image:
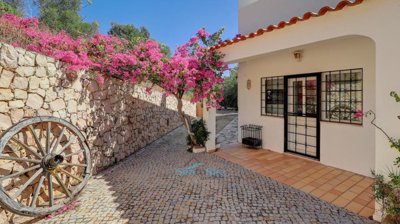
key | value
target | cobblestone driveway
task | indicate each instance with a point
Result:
(229, 134)
(147, 187)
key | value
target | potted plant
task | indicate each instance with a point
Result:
(200, 135)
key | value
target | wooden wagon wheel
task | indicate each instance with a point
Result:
(44, 163)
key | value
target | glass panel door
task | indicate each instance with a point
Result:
(302, 115)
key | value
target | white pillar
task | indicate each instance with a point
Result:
(209, 116)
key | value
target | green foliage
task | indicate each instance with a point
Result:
(165, 50)
(134, 35)
(395, 96)
(395, 143)
(7, 7)
(129, 32)
(64, 15)
(387, 192)
(200, 132)
(231, 89)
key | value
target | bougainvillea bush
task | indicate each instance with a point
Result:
(192, 70)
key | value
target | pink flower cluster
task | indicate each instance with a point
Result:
(65, 208)
(358, 113)
(193, 69)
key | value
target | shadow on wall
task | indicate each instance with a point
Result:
(122, 119)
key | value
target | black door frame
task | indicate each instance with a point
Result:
(318, 117)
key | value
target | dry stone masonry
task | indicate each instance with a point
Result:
(117, 118)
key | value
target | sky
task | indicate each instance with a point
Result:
(172, 22)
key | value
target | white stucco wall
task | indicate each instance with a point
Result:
(377, 19)
(374, 19)
(255, 14)
(340, 143)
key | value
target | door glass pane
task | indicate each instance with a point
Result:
(302, 100)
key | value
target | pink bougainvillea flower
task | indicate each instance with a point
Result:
(358, 114)
(193, 68)
(100, 80)
(202, 33)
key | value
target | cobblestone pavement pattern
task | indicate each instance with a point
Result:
(229, 134)
(145, 188)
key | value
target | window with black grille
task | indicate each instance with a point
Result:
(272, 96)
(342, 95)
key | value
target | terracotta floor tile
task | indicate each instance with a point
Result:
(366, 212)
(334, 182)
(315, 184)
(290, 181)
(349, 195)
(371, 204)
(354, 206)
(308, 188)
(328, 197)
(342, 177)
(299, 184)
(356, 189)
(318, 192)
(341, 202)
(340, 187)
(360, 201)
(335, 192)
(366, 182)
(356, 178)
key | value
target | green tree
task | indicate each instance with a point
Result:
(129, 32)
(64, 15)
(230, 89)
(134, 35)
(11, 6)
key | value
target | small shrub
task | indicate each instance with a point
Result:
(200, 132)
(387, 193)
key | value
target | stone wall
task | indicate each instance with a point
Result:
(116, 118)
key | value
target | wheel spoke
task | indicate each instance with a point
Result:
(70, 174)
(26, 147)
(19, 173)
(37, 191)
(39, 145)
(48, 137)
(27, 183)
(50, 186)
(19, 159)
(72, 154)
(73, 164)
(58, 139)
(70, 141)
(62, 185)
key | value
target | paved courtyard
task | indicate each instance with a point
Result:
(166, 184)
(229, 134)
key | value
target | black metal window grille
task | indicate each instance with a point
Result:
(342, 96)
(272, 96)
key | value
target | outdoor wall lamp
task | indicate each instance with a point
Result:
(248, 84)
(298, 55)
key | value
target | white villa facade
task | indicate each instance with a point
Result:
(304, 79)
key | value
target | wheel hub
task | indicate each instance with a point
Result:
(51, 161)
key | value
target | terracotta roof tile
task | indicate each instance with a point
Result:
(324, 10)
